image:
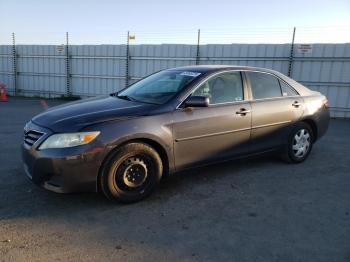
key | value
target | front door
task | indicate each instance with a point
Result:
(220, 131)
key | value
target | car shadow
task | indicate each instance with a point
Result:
(33, 201)
(208, 174)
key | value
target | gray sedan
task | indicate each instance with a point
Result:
(124, 143)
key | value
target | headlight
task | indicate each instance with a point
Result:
(69, 140)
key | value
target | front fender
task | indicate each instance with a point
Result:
(156, 128)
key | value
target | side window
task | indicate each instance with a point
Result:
(287, 90)
(264, 85)
(226, 87)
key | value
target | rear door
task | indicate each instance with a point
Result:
(275, 107)
(222, 130)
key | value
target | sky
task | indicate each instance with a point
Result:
(176, 21)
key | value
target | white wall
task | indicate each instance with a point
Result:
(100, 69)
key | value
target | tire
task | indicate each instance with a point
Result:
(296, 151)
(131, 173)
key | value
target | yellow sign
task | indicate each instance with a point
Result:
(132, 37)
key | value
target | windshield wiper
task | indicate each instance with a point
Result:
(130, 98)
(125, 97)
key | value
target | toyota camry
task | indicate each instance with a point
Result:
(122, 144)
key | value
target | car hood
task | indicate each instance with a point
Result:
(76, 115)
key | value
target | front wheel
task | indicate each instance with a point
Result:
(131, 173)
(299, 144)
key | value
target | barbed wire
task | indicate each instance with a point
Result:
(223, 35)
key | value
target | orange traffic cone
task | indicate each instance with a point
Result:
(3, 95)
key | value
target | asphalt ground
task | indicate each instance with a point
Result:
(257, 209)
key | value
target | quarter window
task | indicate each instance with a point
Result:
(264, 85)
(226, 87)
(287, 90)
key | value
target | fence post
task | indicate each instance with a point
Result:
(14, 63)
(127, 60)
(198, 51)
(68, 76)
(291, 56)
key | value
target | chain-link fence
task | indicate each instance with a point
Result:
(85, 64)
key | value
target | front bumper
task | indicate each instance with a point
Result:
(63, 170)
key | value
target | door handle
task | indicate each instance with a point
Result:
(243, 111)
(296, 104)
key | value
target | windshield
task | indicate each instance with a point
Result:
(159, 87)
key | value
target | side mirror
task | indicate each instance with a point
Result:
(197, 101)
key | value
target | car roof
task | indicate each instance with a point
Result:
(217, 68)
(208, 69)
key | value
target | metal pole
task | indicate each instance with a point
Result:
(291, 56)
(127, 61)
(198, 42)
(14, 63)
(68, 75)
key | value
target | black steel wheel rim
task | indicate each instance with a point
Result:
(133, 174)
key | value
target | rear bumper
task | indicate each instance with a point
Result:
(322, 120)
(63, 170)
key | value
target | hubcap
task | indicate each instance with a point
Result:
(135, 172)
(301, 143)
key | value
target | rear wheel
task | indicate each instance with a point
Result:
(299, 143)
(131, 173)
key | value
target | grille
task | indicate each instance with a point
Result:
(32, 136)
